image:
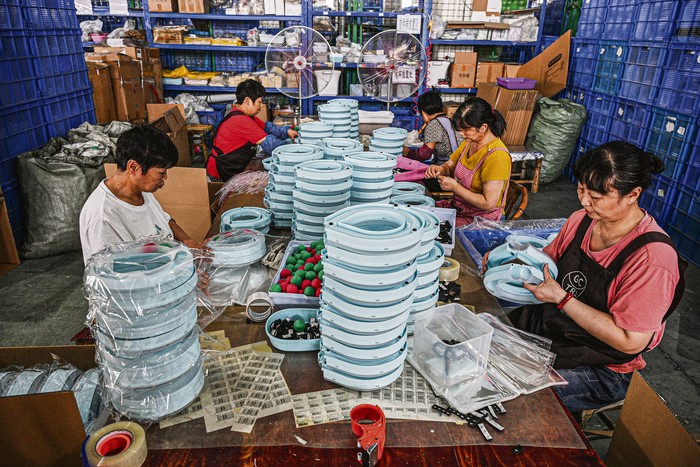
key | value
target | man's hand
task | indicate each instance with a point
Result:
(292, 133)
(433, 171)
(549, 291)
(189, 243)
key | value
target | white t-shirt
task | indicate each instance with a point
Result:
(106, 220)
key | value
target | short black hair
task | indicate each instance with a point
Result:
(430, 102)
(148, 146)
(474, 112)
(617, 165)
(249, 88)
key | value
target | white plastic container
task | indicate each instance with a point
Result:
(291, 300)
(327, 81)
(445, 214)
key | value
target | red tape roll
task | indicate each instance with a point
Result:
(369, 424)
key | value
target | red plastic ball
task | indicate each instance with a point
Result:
(318, 292)
(291, 288)
(305, 283)
(313, 251)
(316, 283)
(283, 286)
(284, 273)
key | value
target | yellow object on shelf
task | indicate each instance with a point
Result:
(235, 41)
(197, 40)
(180, 72)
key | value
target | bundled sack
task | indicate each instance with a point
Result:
(56, 180)
(554, 130)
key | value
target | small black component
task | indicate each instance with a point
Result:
(517, 449)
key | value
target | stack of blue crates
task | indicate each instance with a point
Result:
(636, 67)
(44, 87)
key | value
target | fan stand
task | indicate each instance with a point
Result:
(300, 63)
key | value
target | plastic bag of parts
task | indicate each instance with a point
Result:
(248, 182)
(59, 376)
(147, 299)
(90, 27)
(451, 349)
(437, 27)
(524, 30)
(554, 130)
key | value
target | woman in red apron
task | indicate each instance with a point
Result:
(478, 171)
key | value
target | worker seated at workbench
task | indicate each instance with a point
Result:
(122, 208)
(439, 137)
(240, 132)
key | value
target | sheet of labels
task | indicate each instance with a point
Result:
(315, 408)
(279, 399)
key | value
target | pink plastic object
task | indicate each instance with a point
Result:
(98, 37)
(516, 83)
(414, 170)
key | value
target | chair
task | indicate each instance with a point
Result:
(516, 201)
(601, 412)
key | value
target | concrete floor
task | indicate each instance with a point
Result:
(41, 303)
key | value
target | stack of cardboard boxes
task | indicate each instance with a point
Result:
(124, 80)
(183, 6)
(468, 72)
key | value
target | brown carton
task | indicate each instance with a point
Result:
(163, 5)
(510, 70)
(42, 429)
(550, 68)
(193, 6)
(9, 259)
(463, 73)
(516, 106)
(487, 72)
(171, 119)
(127, 90)
(449, 108)
(102, 94)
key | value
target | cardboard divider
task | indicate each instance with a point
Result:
(9, 258)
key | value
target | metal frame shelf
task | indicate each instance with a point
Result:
(223, 48)
(104, 11)
(483, 43)
(356, 14)
(187, 88)
(206, 16)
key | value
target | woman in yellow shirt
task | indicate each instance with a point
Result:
(478, 171)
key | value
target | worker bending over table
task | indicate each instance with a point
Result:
(479, 170)
(122, 208)
(240, 133)
(439, 137)
(619, 278)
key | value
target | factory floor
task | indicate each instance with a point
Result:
(42, 303)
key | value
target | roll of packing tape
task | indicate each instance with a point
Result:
(121, 444)
(258, 307)
(449, 270)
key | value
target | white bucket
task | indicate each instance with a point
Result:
(332, 77)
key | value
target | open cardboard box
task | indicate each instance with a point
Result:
(550, 68)
(9, 258)
(42, 429)
(171, 119)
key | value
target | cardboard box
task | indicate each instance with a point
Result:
(165, 36)
(127, 90)
(162, 5)
(42, 429)
(463, 73)
(450, 107)
(193, 6)
(9, 258)
(487, 72)
(171, 119)
(510, 70)
(185, 197)
(264, 114)
(516, 106)
(102, 95)
(137, 53)
(648, 434)
(484, 10)
(550, 68)
(292, 7)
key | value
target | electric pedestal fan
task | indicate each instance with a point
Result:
(393, 66)
(294, 55)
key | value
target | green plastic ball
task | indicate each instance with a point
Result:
(275, 288)
(309, 267)
(320, 275)
(318, 267)
(296, 280)
(309, 292)
(299, 325)
(310, 275)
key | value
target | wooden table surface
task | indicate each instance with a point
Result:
(537, 420)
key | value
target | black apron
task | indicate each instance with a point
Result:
(589, 282)
(233, 162)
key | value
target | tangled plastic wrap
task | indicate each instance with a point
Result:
(248, 182)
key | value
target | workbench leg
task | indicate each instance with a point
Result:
(536, 175)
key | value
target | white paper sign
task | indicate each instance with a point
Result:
(118, 7)
(410, 24)
(83, 7)
(405, 74)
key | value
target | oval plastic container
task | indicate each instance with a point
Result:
(301, 345)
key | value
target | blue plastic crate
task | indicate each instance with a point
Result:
(655, 20)
(11, 17)
(18, 80)
(630, 122)
(592, 20)
(581, 148)
(680, 83)
(643, 70)
(620, 19)
(576, 94)
(211, 117)
(659, 199)
(610, 66)
(688, 22)
(232, 28)
(671, 136)
(684, 225)
(68, 111)
(237, 62)
(50, 14)
(13, 202)
(583, 62)
(689, 173)
(22, 128)
(600, 108)
(556, 12)
(193, 60)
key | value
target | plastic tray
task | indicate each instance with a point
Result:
(516, 83)
(301, 345)
(291, 300)
(445, 214)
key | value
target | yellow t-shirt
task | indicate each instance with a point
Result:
(496, 167)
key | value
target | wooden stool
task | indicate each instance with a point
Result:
(586, 416)
(198, 135)
(521, 156)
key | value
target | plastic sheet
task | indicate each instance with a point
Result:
(245, 182)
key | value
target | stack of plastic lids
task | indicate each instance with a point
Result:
(373, 177)
(237, 248)
(51, 378)
(313, 132)
(354, 117)
(278, 194)
(338, 148)
(370, 275)
(413, 200)
(144, 303)
(246, 218)
(430, 259)
(389, 140)
(407, 188)
(322, 188)
(339, 116)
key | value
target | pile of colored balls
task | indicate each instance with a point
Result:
(303, 271)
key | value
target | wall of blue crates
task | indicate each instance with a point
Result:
(44, 86)
(635, 66)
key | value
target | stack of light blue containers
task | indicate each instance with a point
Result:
(388, 140)
(410, 199)
(314, 132)
(354, 116)
(373, 177)
(340, 116)
(338, 148)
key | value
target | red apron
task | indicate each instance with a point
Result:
(465, 211)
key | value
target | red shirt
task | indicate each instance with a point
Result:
(642, 292)
(233, 134)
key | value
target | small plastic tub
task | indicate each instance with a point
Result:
(288, 345)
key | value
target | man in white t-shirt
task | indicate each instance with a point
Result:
(122, 208)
